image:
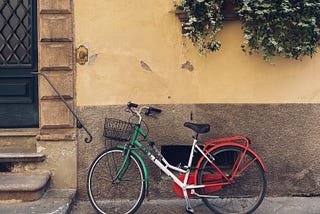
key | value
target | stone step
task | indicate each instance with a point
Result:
(18, 140)
(21, 157)
(20, 187)
(54, 201)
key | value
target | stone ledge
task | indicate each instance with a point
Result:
(23, 186)
(56, 137)
(24, 132)
(23, 181)
(55, 97)
(55, 40)
(61, 68)
(57, 11)
(21, 157)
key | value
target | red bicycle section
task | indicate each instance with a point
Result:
(214, 182)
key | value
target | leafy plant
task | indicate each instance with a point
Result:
(204, 21)
(290, 28)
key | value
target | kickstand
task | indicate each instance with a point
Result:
(188, 205)
(189, 210)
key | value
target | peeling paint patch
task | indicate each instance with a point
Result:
(145, 66)
(188, 66)
(92, 59)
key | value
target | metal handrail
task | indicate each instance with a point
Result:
(79, 122)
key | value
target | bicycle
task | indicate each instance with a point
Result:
(122, 178)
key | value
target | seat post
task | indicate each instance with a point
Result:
(196, 136)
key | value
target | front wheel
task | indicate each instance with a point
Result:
(110, 196)
(245, 194)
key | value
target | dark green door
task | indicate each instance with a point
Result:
(18, 57)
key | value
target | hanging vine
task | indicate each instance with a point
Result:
(204, 21)
(289, 28)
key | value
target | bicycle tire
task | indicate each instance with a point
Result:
(108, 197)
(244, 195)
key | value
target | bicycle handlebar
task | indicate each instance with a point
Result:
(132, 105)
(148, 110)
(155, 110)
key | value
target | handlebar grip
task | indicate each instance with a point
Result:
(156, 110)
(131, 104)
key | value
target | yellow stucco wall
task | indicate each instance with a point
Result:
(120, 34)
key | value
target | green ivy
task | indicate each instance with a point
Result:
(204, 22)
(289, 28)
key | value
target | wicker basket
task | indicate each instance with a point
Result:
(119, 130)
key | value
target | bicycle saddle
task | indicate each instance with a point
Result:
(199, 128)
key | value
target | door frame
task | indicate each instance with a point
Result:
(56, 60)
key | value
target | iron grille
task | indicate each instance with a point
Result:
(16, 33)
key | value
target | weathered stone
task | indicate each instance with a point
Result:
(55, 27)
(61, 161)
(56, 56)
(46, 5)
(64, 87)
(17, 144)
(21, 157)
(54, 114)
(23, 186)
(53, 201)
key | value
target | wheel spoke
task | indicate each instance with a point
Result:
(247, 190)
(108, 196)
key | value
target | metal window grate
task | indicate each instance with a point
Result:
(16, 33)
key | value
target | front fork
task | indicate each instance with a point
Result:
(124, 166)
(126, 163)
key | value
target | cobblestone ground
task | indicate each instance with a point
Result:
(176, 206)
(270, 205)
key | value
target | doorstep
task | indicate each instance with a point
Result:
(53, 201)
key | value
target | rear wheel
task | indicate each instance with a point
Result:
(108, 196)
(247, 191)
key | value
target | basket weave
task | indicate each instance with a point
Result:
(119, 130)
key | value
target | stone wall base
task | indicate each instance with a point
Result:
(286, 136)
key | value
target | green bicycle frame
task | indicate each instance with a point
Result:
(129, 150)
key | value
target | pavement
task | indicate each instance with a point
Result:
(63, 202)
(270, 205)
